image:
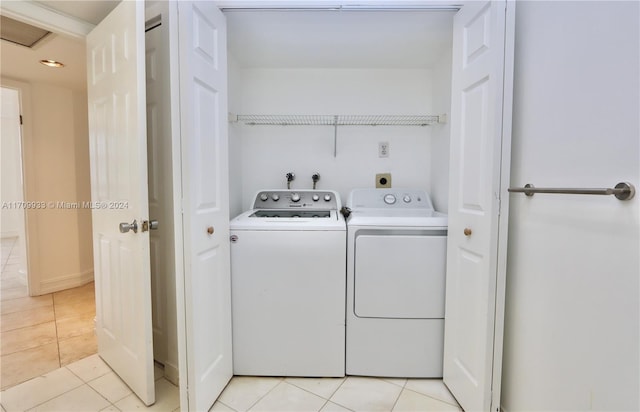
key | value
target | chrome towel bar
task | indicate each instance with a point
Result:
(622, 191)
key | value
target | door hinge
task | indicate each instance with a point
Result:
(20, 119)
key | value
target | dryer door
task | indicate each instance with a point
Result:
(400, 276)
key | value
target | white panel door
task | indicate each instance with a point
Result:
(480, 149)
(118, 155)
(205, 190)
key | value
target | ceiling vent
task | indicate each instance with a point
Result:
(21, 33)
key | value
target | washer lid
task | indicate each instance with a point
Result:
(270, 220)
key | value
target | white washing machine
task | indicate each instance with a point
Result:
(395, 284)
(288, 281)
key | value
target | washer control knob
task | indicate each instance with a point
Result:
(295, 197)
(407, 199)
(264, 197)
(327, 197)
(275, 197)
(389, 199)
(315, 198)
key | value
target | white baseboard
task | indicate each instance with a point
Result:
(171, 373)
(65, 282)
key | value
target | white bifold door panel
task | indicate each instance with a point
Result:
(480, 150)
(399, 276)
(118, 156)
(205, 203)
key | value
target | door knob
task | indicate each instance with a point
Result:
(210, 230)
(150, 225)
(467, 232)
(125, 227)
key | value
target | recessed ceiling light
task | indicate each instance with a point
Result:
(51, 63)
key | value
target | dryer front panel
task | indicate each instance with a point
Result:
(400, 276)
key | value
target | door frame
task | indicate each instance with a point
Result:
(503, 219)
(27, 248)
(171, 10)
(40, 16)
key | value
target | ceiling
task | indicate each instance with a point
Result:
(339, 39)
(22, 63)
(270, 39)
(92, 11)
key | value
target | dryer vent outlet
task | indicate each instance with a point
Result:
(383, 180)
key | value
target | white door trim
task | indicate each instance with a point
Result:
(29, 235)
(503, 219)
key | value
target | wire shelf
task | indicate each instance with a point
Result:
(337, 120)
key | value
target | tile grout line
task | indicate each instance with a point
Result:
(339, 386)
(58, 395)
(4, 263)
(397, 399)
(55, 321)
(433, 397)
(101, 395)
(334, 392)
(84, 383)
(308, 391)
(28, 326)
(217, 400)
(51, 301)
(326, 401)
(268, 392)
(28, 348)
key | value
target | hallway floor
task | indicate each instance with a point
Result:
(40, 334)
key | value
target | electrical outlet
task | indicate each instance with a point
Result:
(383, 180)
(383, 149)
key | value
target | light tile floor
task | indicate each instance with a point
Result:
(90, 385)
(43, 338)
(353, 393)
(86, 385)
(40, 334)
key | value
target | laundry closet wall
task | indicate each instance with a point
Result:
(268, 152)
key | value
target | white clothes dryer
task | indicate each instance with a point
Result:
(396, 257)
(288, 285)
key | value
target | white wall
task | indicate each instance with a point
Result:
(56, 162)
(235, 139)
(573, 314)
(441, 134)
(12, 223)
(269, 152)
